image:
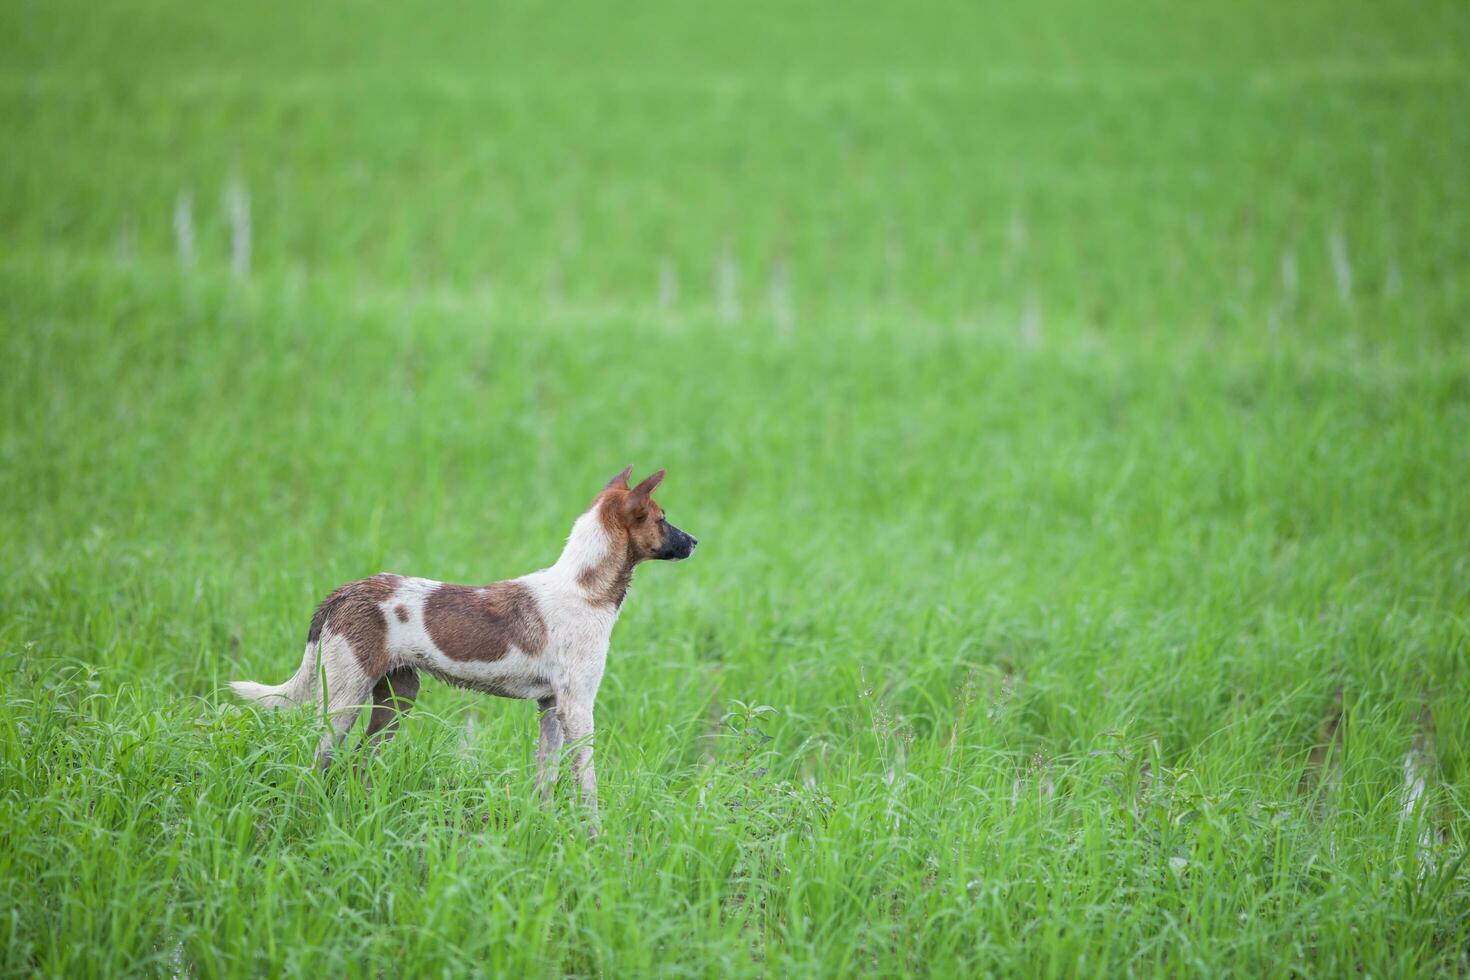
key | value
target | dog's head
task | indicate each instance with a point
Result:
(634, 513)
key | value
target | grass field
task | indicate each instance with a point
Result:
(1071, 401)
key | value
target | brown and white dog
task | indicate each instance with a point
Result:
(543, 636)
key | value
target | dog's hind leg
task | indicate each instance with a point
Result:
(393, 696)
(348, 689)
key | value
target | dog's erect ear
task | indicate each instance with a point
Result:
(649, 484)
(620, 482)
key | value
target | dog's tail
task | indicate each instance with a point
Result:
(302, 686)
(296, 691)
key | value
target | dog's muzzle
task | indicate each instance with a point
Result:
(677, 545)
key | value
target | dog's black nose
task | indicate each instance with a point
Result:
(693, 541)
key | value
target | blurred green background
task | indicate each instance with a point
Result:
(1070, 400)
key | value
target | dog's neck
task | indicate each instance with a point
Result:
(595, 562)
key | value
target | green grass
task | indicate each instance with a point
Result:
(1071, 401)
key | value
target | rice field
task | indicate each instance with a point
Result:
(1071, 402)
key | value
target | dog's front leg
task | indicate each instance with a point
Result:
(576, 722)
(548, 750)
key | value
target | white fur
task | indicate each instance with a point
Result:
(578, 632)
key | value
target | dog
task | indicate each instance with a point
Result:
(542, 636)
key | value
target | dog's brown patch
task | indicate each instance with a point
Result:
(607, 582)
(483, 623)
(401, 612)
(354, 612)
